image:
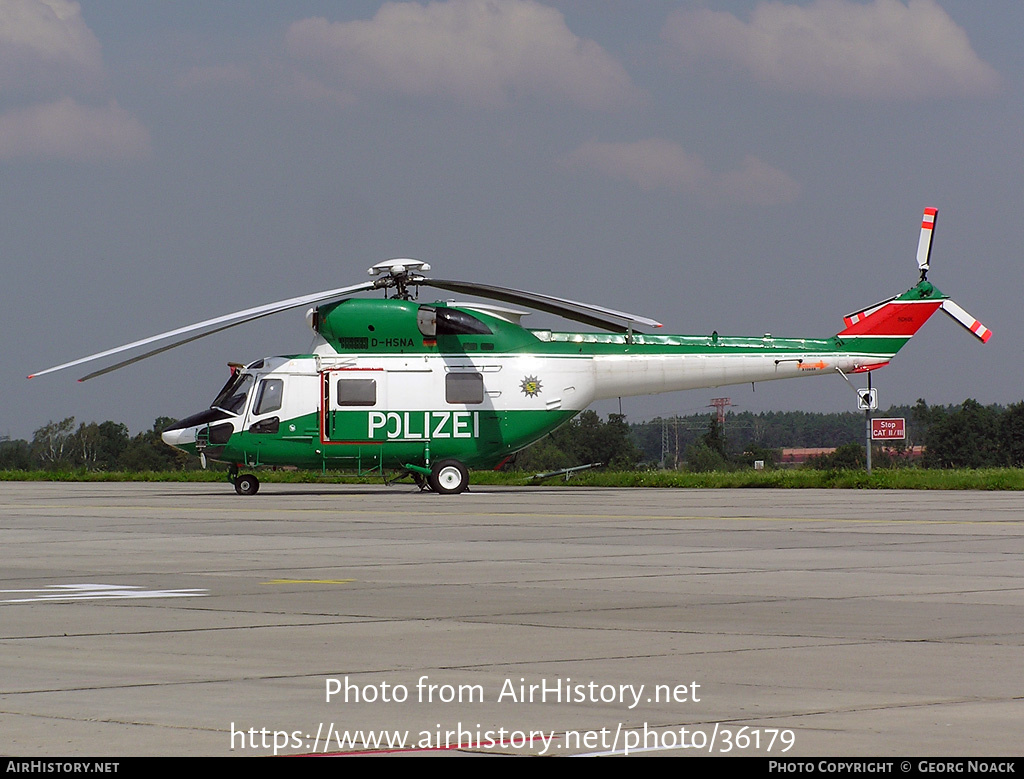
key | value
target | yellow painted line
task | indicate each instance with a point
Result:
(309, 581)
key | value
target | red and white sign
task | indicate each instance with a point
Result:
(888, 429)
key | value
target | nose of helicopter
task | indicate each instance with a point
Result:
(185, 431)
(177, 437)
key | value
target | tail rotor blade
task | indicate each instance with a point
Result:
(972, 325)
(924, 246)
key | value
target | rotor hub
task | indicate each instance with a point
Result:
(398, 273)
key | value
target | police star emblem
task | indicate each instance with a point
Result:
(530, 386)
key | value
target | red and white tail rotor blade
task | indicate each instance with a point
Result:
(972, 325)
(924, 246)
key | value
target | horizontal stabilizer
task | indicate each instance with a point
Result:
(870, 367)
(972, 325)
(851, 319)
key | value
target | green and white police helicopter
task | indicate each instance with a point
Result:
(432, 389)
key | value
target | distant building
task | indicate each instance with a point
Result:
(798, 456)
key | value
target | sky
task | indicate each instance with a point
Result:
(739, 166)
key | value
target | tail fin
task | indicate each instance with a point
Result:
(897, 317)
(881, 330)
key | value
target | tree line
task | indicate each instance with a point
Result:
(106, 446)
(969, 435)
(966, 436)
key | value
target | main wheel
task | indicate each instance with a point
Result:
(448, 477)
(247, 485)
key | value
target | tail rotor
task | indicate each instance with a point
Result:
(950, 308)
(902, 315)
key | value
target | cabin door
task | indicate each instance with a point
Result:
(352, 402)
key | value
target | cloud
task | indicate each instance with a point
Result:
(477, 51)
(232, 77)
(69, 131)
(47, 55)
(45, 45)
(882, 49)
(655, 163)
(284, 82)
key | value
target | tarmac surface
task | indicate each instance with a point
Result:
(182, 619)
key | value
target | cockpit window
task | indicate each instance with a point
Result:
(232, 398)
(269, 397)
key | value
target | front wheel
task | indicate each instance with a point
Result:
(448, 477)
(247, 485)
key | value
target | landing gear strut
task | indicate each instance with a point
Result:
(244, 485)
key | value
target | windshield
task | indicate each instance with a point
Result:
(232, 398)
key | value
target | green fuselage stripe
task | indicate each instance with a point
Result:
(480, 439)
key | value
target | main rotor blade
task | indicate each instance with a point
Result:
(220, 323)
(972, 325)
(924, 245)
(596, 316)
(154, 352)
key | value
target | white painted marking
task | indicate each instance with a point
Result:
(55, 592)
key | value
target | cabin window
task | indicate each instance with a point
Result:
(464, 388)
(269, 396)
(357, 392)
